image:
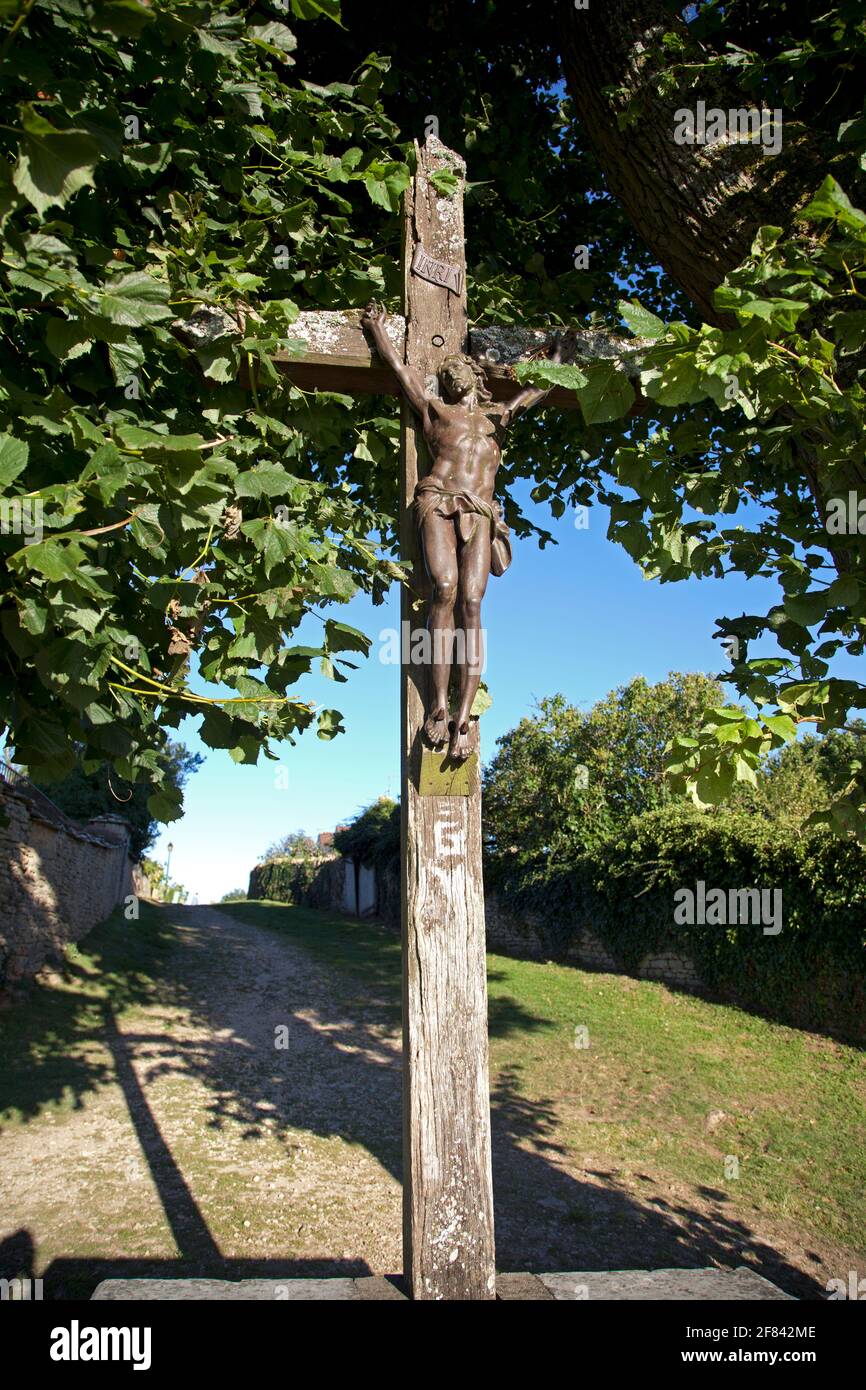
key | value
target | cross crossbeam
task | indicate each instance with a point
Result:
(337, 356)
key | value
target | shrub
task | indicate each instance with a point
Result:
(373, 838)
(283, 880)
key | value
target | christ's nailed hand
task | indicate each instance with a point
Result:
(374, 316)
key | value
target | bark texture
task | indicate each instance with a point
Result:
(696, 206)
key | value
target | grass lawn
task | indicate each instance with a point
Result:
(667, 1080)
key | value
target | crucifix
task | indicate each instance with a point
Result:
(458, 396)
(463, 536)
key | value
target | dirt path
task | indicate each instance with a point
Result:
(213, 1143)
(248, 1122)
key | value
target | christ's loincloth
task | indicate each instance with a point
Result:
(469, 509)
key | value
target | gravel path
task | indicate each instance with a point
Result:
(215, 1143)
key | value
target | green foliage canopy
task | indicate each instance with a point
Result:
(812, 974)
(373, 837)
(83, 795)
(565, 779)
(297, 844)
(156, 158)
(744, 445)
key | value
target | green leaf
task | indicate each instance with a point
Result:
(166, 804)
(153, 441)
(543, 373)
(482, 702)
(52, 164)
(743, 770)
(781, 724)
(55, 559)
(13, 458)
(641, 322)
(713, 784)
(264, 480)
(831, 201)
(340, 637)
(608, 394)
(219, 363)
(852, 132)
(386, 183)
(126, 18)
(274, 34)
(135, 299)
(311, 9)
(330, 723)
(844, 591)
(676, 382)
(68, 338)
(148, 160)
(125, 359)
(246, 750)
(806, 609)
(275, 542)
(445, 182)
(728, 712)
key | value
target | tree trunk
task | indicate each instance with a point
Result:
(697, 207)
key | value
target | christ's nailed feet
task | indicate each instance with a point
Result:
(459, 748)
(436, 728)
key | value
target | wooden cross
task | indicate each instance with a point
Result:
(448, 1244)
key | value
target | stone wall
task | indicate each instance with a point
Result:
(336, 886)
(525, 936)
(308, 881)
(57, 880)
(331, 883)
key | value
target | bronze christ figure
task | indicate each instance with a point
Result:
(463, 535)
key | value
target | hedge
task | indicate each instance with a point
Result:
(286, 881)
(812, 974)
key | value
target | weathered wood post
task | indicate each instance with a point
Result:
(447, 1185)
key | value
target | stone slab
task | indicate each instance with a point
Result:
(261, 1290)
(375, 1288)
(626, 1285)
(523, 1288)
(668, 1285)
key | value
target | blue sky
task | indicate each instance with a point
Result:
(577, 617)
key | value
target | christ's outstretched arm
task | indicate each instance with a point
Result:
(531, 395)
(373, 319)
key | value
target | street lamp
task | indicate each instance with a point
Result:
(169, 847)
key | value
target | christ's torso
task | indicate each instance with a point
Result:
(464, 447)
